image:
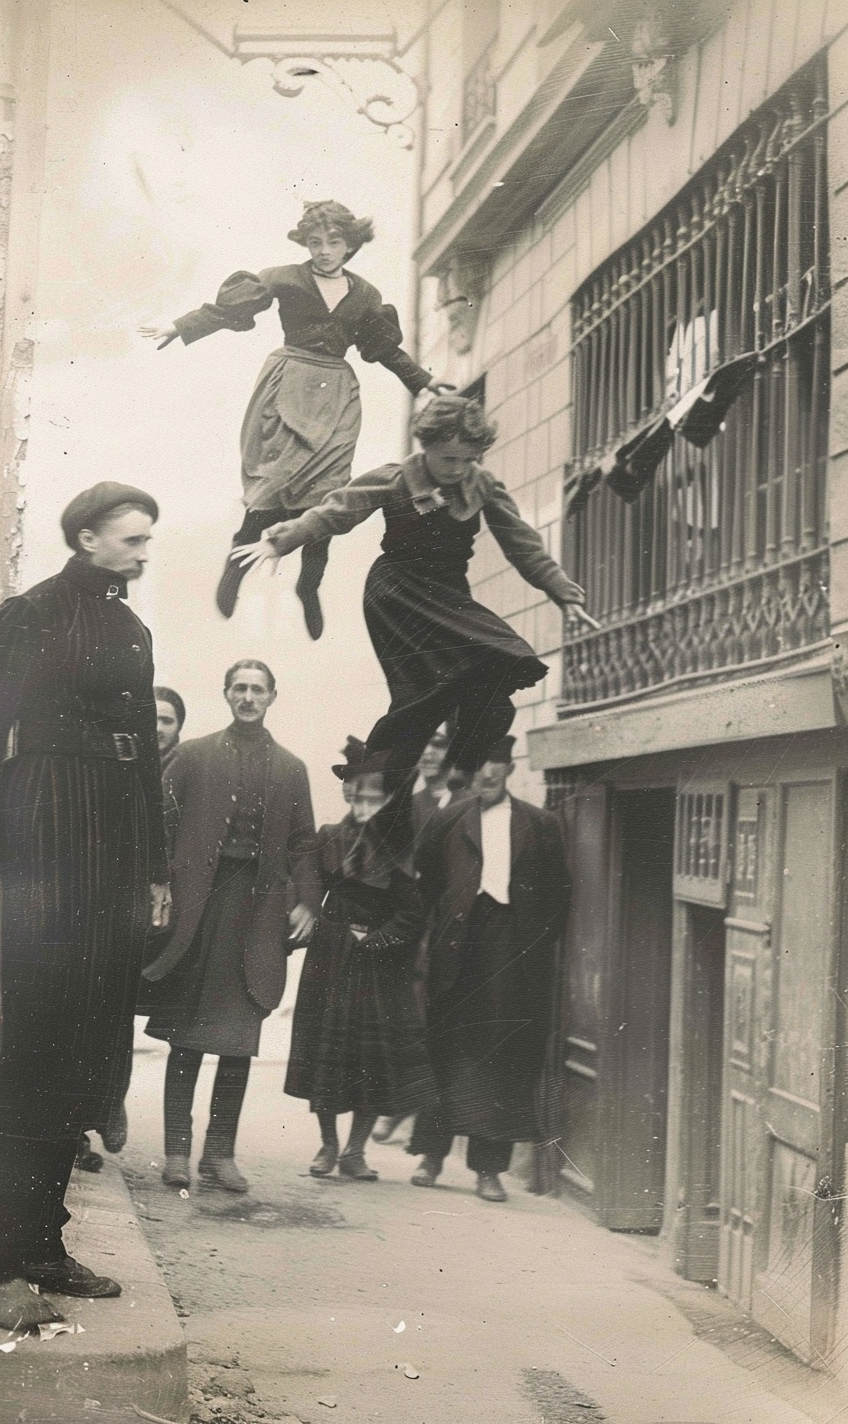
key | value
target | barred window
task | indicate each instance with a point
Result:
(718, 558)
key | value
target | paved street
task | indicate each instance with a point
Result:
(517, 1314)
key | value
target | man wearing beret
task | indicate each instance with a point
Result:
(83, 874)
(493, 875)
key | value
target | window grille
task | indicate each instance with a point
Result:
(721, 560)
(700, 853)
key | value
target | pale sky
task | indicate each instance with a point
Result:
(169, 166)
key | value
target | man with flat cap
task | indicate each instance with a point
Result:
(83, 873)
(493, 876)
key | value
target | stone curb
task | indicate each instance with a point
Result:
(131, 1351)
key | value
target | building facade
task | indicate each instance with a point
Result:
(634, 247)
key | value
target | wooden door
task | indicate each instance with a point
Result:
(778, 1232)
(791, 1289)
(747, 986)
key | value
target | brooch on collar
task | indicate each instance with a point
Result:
(427, 503)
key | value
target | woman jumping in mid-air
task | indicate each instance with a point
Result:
(444, 655)
(301, 426)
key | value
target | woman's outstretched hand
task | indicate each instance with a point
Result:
(164, 335)
(575, 611)
(572, 606)
(263, 551)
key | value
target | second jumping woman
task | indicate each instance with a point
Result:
(300, 430)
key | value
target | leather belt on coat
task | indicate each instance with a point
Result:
(82, 739)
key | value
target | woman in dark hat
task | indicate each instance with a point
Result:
(443, 654)
(357, 1041)
(83, 873)
(301, 426)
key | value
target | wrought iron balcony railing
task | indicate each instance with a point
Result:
(721, 562)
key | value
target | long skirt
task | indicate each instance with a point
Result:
(484, 1041)
(299, 432)
(357, 1040)
(75, 905)
(204, 1002)
(427, 629)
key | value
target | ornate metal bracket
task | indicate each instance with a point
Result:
(364, 70)
(654, 66)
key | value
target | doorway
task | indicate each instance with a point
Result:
(636, 1040)
(698, 1217)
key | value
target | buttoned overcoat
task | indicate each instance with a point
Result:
(200, 788)
(81, 839)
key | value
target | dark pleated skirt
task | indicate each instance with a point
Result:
(357, 1041)
(427, 629)
(299, 432)
(75, 906)
(485, 1042)
(204, 1002)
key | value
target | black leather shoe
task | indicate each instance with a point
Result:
(70, 1277)
(312, 615)
(226, 595)
(22, 1310)
(175, 1172)
(88, 1161)
(222, 1172)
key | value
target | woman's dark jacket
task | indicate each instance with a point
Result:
(361, 319)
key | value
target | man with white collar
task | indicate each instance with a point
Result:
(493, 874)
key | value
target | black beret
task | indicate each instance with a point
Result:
(92, 505)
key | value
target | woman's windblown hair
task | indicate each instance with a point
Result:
(454, 417)
(329, 215)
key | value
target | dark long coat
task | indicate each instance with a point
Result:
(488, 1017)
(200, 785)
(357, 1040)
(81, 839)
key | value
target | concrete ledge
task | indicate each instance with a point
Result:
(132, 1350)
(798, 698)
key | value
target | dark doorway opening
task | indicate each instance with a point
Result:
(698, 1218)
(635, 1074)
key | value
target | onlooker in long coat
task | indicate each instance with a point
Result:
(170, 716)
(357, 1039)
(493, 874)
(242, 840)
(434, 795)
(83, 871)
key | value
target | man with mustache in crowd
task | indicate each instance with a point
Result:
(243, 851)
